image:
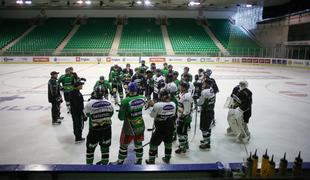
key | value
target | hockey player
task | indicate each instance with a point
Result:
(149, 85)
(159, 83)
(184, 117)
(240, 112)
(186, 78)
(153, 67)
(54, 98)
(104, 86)
(186, 71)
(127, 74)
(99, 111)
(165, 70)
(207, 102)
(140, 80)
(133, 127)
(171, 87)
(128, 70)
(214, 86)
(175, 78)
(164, 120)
(201, 74)
(115, 78)
(77, 107)
(67, 81)
(143, 67)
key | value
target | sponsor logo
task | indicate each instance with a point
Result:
(243, 60)
(6, 59)
(255, 61)
(124, 59)
(78, 59)
(262, 61)
(116, 59)
(249, 60)
(307, 63)
(137, 102)
(298, 62)
(40, 59)
(284, 61)
(235, 60)
(279, 61)
(289, 62)
(168, 107)
(157, 59)
(274, 61)
(84, 59)
(267, 61)
(202, 60)
(176, 59)
(101, 104)
(108, 59)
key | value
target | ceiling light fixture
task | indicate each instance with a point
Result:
(248, 5)
(28, 2)
(139, 2)
(79, 2)
(193, 3)
(19, 2)
(88, 2)
(147, 2)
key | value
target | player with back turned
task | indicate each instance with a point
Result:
(133, 127)
(163, 113)
(54, 98)
(99, 111)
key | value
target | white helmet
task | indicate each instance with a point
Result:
(243, 84)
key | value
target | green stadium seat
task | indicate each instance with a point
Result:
(233, 38)
(96, 35)
(187, 37)
(12, 29)
(141, 36)
(44, 38)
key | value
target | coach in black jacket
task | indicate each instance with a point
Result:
(77, 107)
(54, 98)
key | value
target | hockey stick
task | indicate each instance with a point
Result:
(150, 129)
(246, 150)
(195, 128)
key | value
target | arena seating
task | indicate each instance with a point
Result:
(95, 36)
(232, 37)
(188, 37)
(142, 36)
(45, 38)
(11, 29)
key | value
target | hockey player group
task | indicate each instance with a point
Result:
(171, 102)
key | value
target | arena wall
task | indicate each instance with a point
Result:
(31, 13)
(168, 59)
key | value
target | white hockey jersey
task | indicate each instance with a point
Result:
(156, 82)
(207, 98)
(163, 110)
(185, 104)
(99, 112)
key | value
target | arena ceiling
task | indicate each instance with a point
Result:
(134, 4)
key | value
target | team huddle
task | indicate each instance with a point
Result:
(171, 102)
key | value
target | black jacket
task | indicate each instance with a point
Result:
(54, 91)
(76, 103)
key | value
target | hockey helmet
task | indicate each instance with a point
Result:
(208, 72)
(101, 78)
(243, 84)
(184, 85)
(133, 87)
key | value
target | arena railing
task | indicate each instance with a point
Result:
(129, 171)
(287, 52)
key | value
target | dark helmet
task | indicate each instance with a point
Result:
(208, 72)
(185, 85)
(101, 78)
(98, 93)
(176, 73)
(164, 92)
(133, 87)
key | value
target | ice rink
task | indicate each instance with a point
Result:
(280, 117)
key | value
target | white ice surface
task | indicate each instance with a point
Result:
(280, 122)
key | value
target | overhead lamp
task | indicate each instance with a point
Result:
(139, 2)
(193, 3)
(19, 2)
(248, 5)
(147, 2)
(79, 2)
(88, 2)
(28, 2)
